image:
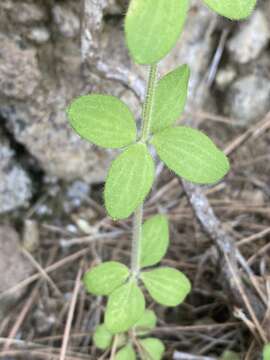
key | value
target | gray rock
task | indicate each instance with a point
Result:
(23, 12)
(93, 12)
(225, 77)
(15, 184)
(19, 72)
(46, 87)
(14, 267)
(41, 123)
(68, 23)
(39, 34)
(248, 99)
(114, 7)
(78, 190)
(251, 38)
(44, 129)
(76, 194)
(6, 5)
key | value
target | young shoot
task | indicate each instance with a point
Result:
(152, 28)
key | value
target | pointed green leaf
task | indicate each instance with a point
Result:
(125, 307)
(167, 286)
(155, 240)
(103, 120)
(191, 154)
(152, 349)
(232, 9)
(126, 353)
(170, 98)
(104, 278)
(152, 28)
(129, 180)
(102, 337)
(266, 352)
(146, 323)
(230, 355)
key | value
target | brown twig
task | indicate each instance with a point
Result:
(253, 132)
(70, 315)
(246, 300)
(253, 237)
(193, 328)
(179, 355)
(48, 269)
(114, 347)
(41, 271)
(27, 306)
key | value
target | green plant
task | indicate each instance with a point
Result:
(152, 28)
(266, 352)
(104, 339)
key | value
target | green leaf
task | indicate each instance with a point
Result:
(126, 353)
(170, 98)
(167, 286)
(125, 307)
(191, 154)
(103, 120)
(153, 349)
(104, 278)
(266, 352)
(155, 240)
(129, 180)
(230, 355)
(102, 337)
(146, 323)
(232, 9)
(152, 28)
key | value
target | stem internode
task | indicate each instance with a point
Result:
(146, 125)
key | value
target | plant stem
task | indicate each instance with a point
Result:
(149, 103)
(138, 215)
(114, 347)
(136, 240)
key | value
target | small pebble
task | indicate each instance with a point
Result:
(251, 38)
(248, 99)
(30, 235)
(67, 22)
(39, 34)
(225, 77)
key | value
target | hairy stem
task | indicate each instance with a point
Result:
(136, 240)
(138, 215)
(149, 103)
